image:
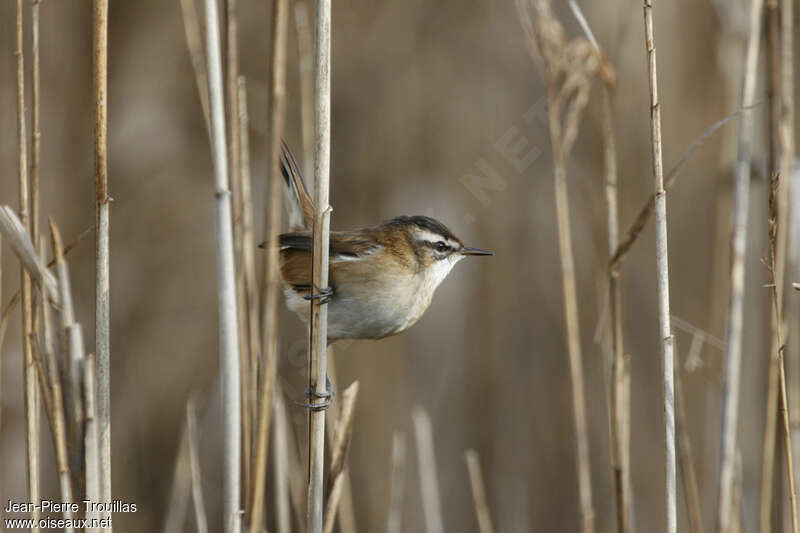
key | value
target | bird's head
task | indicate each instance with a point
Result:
(436, 248)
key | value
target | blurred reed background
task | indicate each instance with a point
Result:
(437, 109)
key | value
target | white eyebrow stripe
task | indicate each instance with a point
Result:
(431, 237)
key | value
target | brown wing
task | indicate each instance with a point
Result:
(296, 253)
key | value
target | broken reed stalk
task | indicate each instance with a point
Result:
(662, 266)
(394, 518)
(102, 311)
(29, 370)
(321, 237)
(194, 467)
(194, 42)
(428, 479)
(478, 492)
(235, 175)
(339, 453)
(271, 287)
(305, 49)
(226, 280)
(774, 217)
(281, 465)
(733, 352)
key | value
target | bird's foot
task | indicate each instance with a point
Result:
(312, 395)
(324, 294)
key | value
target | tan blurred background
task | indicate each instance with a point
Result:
(424, 94)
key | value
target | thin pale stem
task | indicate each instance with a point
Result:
(478, 492)
(428, 478)
(29, 369)
(662, 266)
(271, 288)
(102, 316)
(321, 237)
(733, 355)
(570, 296)
(226, 280)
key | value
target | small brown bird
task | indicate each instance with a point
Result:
(382, 278)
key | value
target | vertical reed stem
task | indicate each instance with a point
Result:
(774, 217)
(29, 370)
(662, 266)
(619, 367)
(37, 135)
(571, 317)
(319, 312)
(102, 320)
(741, 193)
(226, 279)
(269, 331)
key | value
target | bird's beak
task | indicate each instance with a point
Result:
(467, 250)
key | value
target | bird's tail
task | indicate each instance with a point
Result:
(299, 204)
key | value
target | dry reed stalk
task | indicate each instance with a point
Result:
(662, 266)
(774, 218)
(29, 370)
(321, 236)
(194, 466)
(102, 312)
(620, 381)
(478, 492)
(271, 287)
(280, 463)
(776, 165)
(428, 479)
(226, 279)
(394, 518)
(686, 457)
(339, 453)
(305, 50)
(58, 417)
(787, 165)
(71, 336)
(194, 42)
(37, 134)
(248, 246)
(50, 384)
(570, 67)
(733, 355)
(235, 174)
(19, 240)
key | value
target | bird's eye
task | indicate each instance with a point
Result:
(441, 247)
